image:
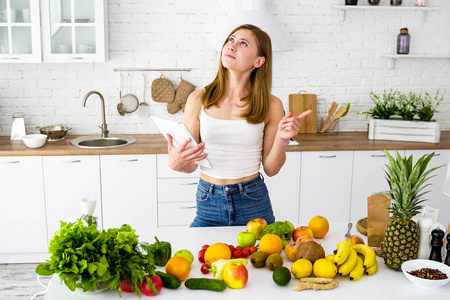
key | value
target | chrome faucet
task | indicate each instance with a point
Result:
(103, 127)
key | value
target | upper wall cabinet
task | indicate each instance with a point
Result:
(19, 31)
(74, 30)
(54, 31)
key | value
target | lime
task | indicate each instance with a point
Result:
(281, 276)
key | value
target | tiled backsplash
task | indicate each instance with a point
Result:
(337, 60)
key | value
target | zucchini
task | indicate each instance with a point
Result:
(169, 281)
(209, 284)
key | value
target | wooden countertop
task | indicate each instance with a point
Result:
(156, 144)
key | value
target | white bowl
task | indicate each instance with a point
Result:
(417, 264)
(34, 140)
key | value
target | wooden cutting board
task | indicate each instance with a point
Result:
(299, 103)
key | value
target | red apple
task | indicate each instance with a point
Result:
(256, 226)
(355, 239)
(235, 275)
(300, 231)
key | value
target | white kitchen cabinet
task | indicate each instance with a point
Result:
(325, 185)
(129, 192)
(22, 214)
(436, 197)
(74, 30)
(20, 40)
(68, 179)
(284, 189)
(368, 178)
(176, 194)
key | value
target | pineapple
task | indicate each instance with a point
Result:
(406, 182)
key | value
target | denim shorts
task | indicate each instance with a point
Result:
(232, 204)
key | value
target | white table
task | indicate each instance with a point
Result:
(385, 284)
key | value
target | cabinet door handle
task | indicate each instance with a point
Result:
(76, 57)
(189, 183)
(188, 207)
(327, 156)
(377, 155)
(71, 161)
(11, 58)
(128, 160)
(11, 162)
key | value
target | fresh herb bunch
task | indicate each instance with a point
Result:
(78, 256)
(83, 255)
(383, 108)
(426, 107)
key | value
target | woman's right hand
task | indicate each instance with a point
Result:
(182, 159)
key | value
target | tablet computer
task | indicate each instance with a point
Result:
(179, 133)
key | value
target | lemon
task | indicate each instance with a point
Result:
(324, 268)
(301, 268)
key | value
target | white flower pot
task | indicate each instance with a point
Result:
(401, 130)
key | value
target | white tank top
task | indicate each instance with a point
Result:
(234, 147)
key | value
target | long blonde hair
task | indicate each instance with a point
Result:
(258, 100)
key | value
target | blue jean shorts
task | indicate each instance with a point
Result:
(232, 204)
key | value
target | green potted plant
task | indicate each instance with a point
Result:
(385, 114)
(426, 106)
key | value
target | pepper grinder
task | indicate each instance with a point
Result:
(437, 241)
(425, 224)
(447, 257)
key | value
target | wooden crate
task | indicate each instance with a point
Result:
(401, 130)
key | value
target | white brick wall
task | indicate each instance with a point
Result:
(337, 60)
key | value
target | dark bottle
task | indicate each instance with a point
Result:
(447, 257)
(374, 2)
(403, 40)
(437, 241)
(396, 2)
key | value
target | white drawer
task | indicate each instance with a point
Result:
(177, 189)
(165, 172)
(176, 213)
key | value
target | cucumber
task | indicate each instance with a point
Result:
(209, 284)
(169, 281)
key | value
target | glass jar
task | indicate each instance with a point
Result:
(396, 2)
(403, 41)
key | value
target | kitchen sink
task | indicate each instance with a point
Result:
(98, 142)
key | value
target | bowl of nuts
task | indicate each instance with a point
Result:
(426, 273)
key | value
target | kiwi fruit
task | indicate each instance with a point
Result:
(274, 261)
(258, 259)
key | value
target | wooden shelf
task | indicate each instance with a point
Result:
(423, 9)
(392, 57)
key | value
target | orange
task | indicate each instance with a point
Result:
(178, 266)
(319, 226)
(271, 243)
(217, 251)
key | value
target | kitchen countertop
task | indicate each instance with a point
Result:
(385, 284)
(156, 144)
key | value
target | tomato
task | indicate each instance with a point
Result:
(126, 286)
(147, 290)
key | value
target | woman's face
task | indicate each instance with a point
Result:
(240, 52)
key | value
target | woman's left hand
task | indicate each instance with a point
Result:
(289, 126)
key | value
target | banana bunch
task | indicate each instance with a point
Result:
(354, 259)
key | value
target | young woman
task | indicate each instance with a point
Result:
(238, 124)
